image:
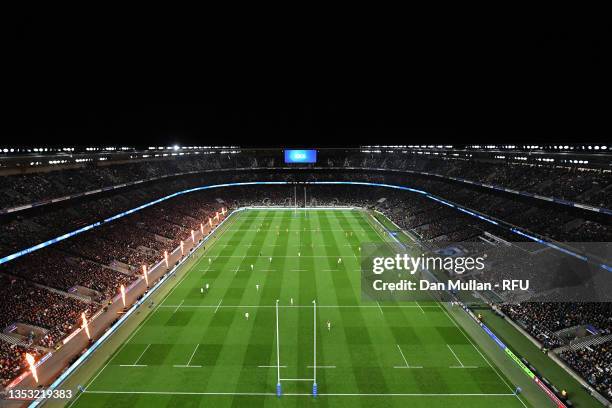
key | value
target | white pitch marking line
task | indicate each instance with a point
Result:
(324, 366)
(277, 347)
(298, 394)
(459, 361)
(271, 366)
(193, 354)
(297, 379)
(314, 338)
(318, 306)
(379, 308)
(285, 230)
(249, 245)
(283, 256)
(277, 245)
(218, 306)
(405, 361)
(178, 307)
(187, 366)
(457, 358)
(402, 353)
(133, 365)
(419, 306)
(409, 395)
(141, 354)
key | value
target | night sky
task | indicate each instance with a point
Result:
(309, 125)
(95, 86)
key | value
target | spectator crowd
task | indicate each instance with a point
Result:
(39, 289)
(578, 183)
(594, 364)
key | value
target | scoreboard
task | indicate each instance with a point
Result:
(300, 156)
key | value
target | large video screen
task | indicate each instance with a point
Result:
(300, 156)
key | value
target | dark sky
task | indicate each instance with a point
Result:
(89, 84)
(247, 124)
(316, 124)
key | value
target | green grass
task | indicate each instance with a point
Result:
(199, 349)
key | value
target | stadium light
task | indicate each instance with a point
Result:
(166, 258)
(192, 236)
(145, 274)
(30, 360)
(202, 228)
(182, 248)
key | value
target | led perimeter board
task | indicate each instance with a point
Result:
(300, 156)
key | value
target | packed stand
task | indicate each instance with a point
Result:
(587, 186)
(542, 320)
(594, 364)
(13, 362)
(63, 271)
(21, 302)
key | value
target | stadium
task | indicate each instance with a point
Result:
(239, 276)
